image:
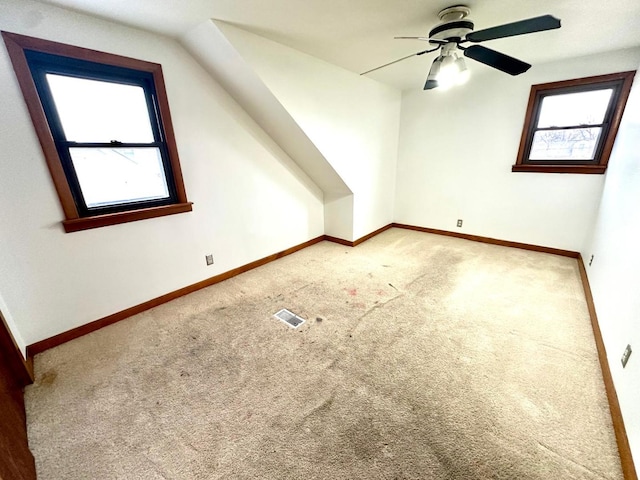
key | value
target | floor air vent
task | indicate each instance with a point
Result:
(289, 318)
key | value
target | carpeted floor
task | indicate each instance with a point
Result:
(423, 357)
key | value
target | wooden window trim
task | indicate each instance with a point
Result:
(16, 44)
(524, 165)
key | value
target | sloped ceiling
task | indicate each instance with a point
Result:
(209, 46)
(358, 34)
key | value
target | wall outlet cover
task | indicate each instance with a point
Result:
(625, 356)
(459, 223)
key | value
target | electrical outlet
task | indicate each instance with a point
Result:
(209, 259)
(459, 223)
(626, 355)
(591, 260)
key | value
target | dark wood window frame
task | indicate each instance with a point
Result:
(621, 83)
(76, 220)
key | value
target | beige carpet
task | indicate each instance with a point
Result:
(423, 357)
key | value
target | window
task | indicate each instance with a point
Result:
(570, 126)
(104, 125)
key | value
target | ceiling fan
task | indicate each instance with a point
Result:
(455, 30)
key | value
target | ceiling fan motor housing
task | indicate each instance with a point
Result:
(451, 31)
(454, 26)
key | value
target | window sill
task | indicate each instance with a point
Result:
(86, 223)
(592, 169)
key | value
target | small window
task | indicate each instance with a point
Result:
(570, 126)
(104, 125)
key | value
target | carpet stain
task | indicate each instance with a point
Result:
(363, 438)
(352, 291)
(48, 378)
(440, 277)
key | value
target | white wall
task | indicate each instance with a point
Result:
(456, 152)
(352, 120)
(246, 192)
(13, 328)
(213, 51)
(615, 272)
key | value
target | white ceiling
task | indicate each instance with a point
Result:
(358, 34)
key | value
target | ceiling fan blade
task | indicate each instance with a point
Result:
(498, 60)
(425, 39)
(530, 25)
(400, 59)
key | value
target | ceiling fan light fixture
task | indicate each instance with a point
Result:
(455, 29)
(448, 73)
(432, 78)
(430, 85)
(463, 72)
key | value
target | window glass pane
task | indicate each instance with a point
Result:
(99, 111)
(574, 109)
(571, 144)
(112, 176)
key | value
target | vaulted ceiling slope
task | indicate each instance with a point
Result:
(358, 34)
(353, 121)
(212, 50)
